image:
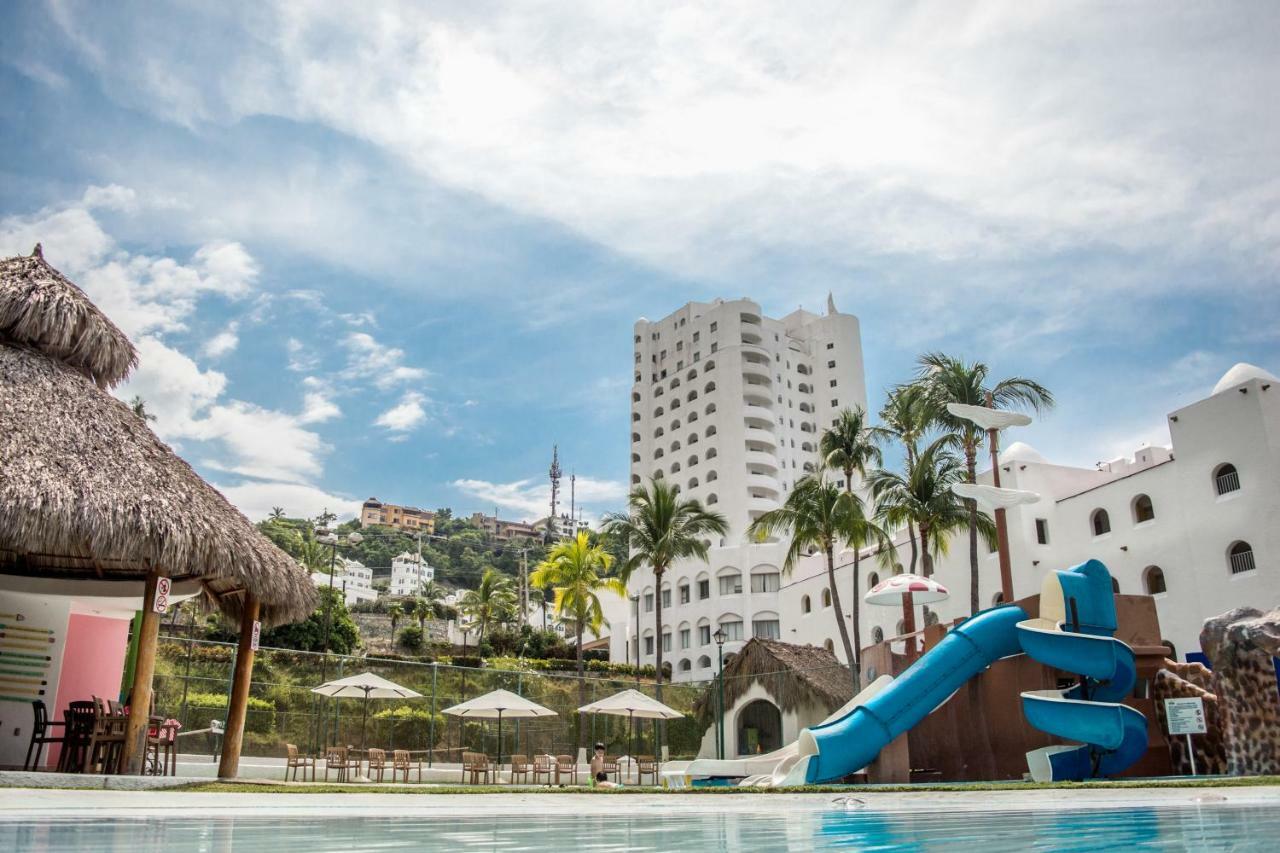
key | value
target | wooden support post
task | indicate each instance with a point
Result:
(144, 668)
(229, 765)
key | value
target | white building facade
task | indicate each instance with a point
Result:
(728, 404)
(352, 578)
(1194, 525)
(409, 574)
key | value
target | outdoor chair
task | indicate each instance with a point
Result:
(543, 765)
(335, 757)
(610, 767)
(295, 761)
(378, 763)
(646, 766)
(161, 751)
(41, 733)
(477, 766)
(79, 718)
(566, 765)
(520, 768)
(106, 739)
(402, 761)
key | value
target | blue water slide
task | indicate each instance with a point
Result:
(1073, 634)
(848, 744)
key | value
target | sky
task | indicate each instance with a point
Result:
(397, 249)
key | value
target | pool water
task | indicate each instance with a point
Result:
(1192, 827)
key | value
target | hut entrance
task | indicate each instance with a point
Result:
(759, 728)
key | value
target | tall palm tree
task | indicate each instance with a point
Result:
(494, 595)
(139, 408)
(923, 496)
(422, 610)
(578, 572)
(952, 380)
(434, 595)
(907, 417)
(277, 513)
(396, 612)
(817, 515)
(849, 446)
(314, 556)
(659, 529)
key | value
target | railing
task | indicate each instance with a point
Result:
(1242, 562)
(1228, 482)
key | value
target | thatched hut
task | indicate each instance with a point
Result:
(95, 509)
(772, 691)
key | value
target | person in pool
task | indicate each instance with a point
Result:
(602, 781)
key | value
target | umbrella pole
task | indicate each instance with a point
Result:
(364, 716)
(631, 745)
(497, 775)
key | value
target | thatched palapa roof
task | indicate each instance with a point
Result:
(87, 490)
(793, 675)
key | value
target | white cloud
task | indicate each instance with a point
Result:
(368, 360)
(405, 415)
(224, 342)
(532, 498)
(256, 500)
(318, 408)
(111, 197)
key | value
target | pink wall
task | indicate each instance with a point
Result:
(92, 662)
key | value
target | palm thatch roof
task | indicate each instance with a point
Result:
(87, 490)
(42, 309)
(793, 675)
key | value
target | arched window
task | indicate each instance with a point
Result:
(1143, 509)
(693, 482)
(657, 475)
(693, 438)
(635, 457)
(900, 628)
(711, 430)
(710, 365)
(712, 476)
(1240, 557)
(711, 408)
(1115, 586)
(805, 604)
(997, 599)
(659, 432)
(635, 479)
(877, 634)
(1153, 580)
(710, 386)
(826, 598)
(635, 436)
(711, 498)
(693, 395)
(675, 404)
(1226, 479)
(1101, 522)
(675, 467)
(635, 416)
(675, 445)
(685, 666)
(829, 646)
(692, 460)
(711, 454)
(635, 396)
(704, 662)
(872, 580)
(659, 453)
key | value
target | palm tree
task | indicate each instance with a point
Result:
(314, 556)
(578, 571)
(850, 447)
(907, 416)
(422, 610)
(395, 611)
(277, 513)
(659, 529)
(951, 380)
(492, 597)
(434, 595)
(139, 408)
(923, 496)
(817, 515)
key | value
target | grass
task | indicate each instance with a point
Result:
(321, 788)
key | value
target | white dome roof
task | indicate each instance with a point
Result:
(1020, 451)
(1241, 374)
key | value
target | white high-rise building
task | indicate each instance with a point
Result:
(729, 404)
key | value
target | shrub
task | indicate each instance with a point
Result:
(410, 637)
(260, 717)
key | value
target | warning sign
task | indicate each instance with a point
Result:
(1185, 716)
(163, 585)
(257, 633)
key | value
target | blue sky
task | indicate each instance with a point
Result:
(398, 251)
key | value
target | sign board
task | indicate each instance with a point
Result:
(161, 604)
(257, 634)
(1185, 716)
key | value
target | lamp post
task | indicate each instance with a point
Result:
(720, 636)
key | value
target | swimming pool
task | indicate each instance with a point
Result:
(831, 826)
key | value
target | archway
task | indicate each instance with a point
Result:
(759, 728)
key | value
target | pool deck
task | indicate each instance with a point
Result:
(26, 803)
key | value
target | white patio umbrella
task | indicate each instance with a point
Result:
(994, 497)
(495, 705)
(632, 704)
(365, 686)
(909, 590)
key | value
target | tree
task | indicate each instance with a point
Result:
(325, 518)
(277, 513)
(578, 572)
(660, 528)
(907, 417)
(434, 595)
(923, 496)
(139, 408)
(817, 515)
(396, 612)
(422, 610)
(850, 447)
(308, 635)
(951, 380)
(491, 598)
(314, 555)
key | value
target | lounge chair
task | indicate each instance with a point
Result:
(543, 765)
(566, 765)
(610, 767)
(378, 763)
(41, 734)
(646, 765)
(520, 768)
(296, 760)
(403, 761)
(477, 766)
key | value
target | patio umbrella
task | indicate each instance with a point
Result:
(368, 686)
(632, 704)
(908, 590)
(496, 704)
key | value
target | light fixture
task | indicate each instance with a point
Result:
(719, 636)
